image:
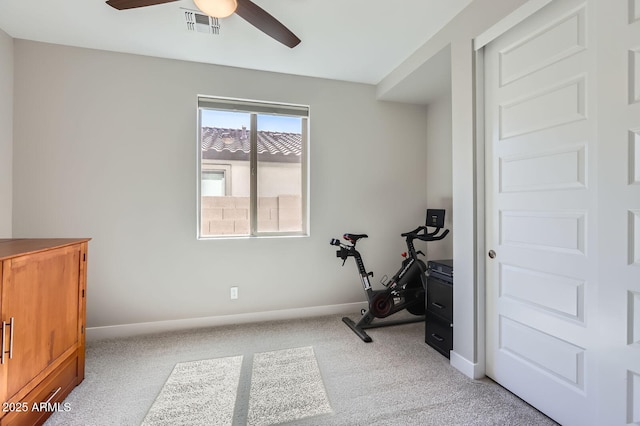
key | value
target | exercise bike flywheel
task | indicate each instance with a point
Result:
(415, 291)
(381, 305)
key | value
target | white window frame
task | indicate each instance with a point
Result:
(254, 107)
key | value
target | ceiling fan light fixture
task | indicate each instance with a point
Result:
(217, 8)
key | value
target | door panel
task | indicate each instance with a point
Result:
(541, 210)
(562, 111)
(623, 120)
(42, 330)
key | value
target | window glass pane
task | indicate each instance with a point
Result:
(225, 145)
(252, 168)
(213, 183)
(279, 145)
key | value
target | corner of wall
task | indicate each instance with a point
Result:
(6, 133)
(466, 367)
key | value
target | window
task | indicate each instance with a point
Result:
(252, 168)
(214, 180)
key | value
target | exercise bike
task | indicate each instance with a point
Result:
(405, 290)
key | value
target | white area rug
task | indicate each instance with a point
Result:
(198, 393)
(286, 385)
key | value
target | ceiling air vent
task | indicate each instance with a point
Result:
(201, 23)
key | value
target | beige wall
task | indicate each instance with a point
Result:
(459, 34)
(120, 164)
(6, 133)
(439, 171)
(105, 147)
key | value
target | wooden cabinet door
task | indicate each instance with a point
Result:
(40, 293)
(4, 365)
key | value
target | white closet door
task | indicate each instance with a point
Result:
(619, 211)
(542, 204)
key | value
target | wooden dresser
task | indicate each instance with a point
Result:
(42, 309)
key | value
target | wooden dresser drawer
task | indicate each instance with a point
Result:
(46, 398)
(440, 298)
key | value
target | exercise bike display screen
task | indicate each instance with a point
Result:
(435, 218)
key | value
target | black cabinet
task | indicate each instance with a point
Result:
(439, 306)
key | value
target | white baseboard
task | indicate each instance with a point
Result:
(137, 329)
(466, 367)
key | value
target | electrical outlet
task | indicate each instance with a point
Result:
(234, 293)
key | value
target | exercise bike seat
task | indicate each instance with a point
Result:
(354, 237)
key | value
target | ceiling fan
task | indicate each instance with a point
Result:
(246, 9)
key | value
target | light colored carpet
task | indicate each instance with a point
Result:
(198, 393)
(286, 385)
(395, 380)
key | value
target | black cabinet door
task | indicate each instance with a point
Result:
(439, 335)
(440, 298)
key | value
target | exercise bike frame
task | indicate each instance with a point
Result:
(402, 286)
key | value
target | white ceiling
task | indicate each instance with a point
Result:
(351, 40)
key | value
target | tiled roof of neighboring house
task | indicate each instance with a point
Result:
(233, 144)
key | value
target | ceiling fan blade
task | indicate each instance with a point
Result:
(130, 4)
(262, 20)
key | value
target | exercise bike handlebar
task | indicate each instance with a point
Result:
(426, 236)
(411, 235)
